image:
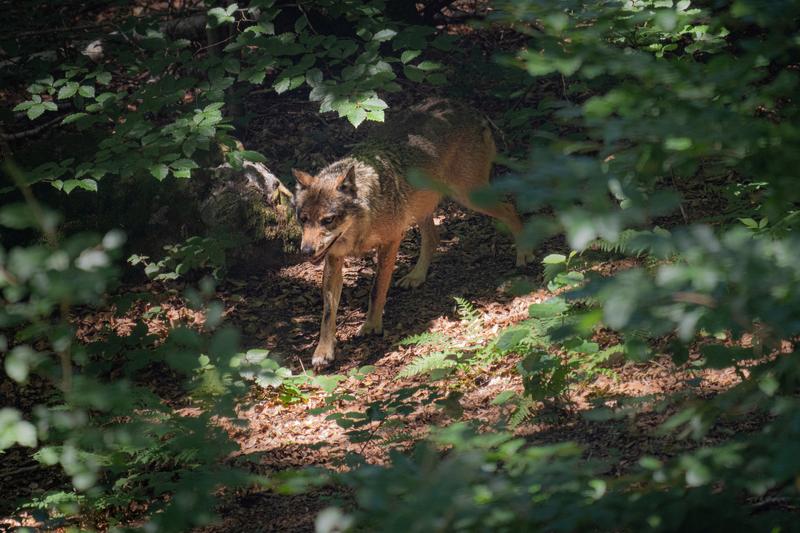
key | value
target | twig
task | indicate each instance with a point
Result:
(308, 20)
(31, 132)
(680, 203)
(30, 468)
(212, 46)
(780, 500)
(695, 298)
(497, 129)
(33, 33)
(371, 435)
(564, 89)
(9, 277)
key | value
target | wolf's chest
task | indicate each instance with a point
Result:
(371, 234)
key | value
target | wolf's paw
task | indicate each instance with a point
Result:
(371, 327)
(411, 280)
(524, 256)
(323, 356)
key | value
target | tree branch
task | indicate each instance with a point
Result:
(31, 132)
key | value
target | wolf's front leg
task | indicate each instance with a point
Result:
(387, 255)
(331, 291)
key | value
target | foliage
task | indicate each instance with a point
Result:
(114, 438)
(557, 349)
(450, 352)
(194, 254)
(172, 125)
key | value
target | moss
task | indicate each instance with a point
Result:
(240, 210)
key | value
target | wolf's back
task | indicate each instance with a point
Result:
(438, 139)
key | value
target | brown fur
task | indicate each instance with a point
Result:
(365, 201)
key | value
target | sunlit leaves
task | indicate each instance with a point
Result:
(15, 430)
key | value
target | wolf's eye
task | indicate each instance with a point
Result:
(327, 221)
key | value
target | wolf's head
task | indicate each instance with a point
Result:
(326, 207)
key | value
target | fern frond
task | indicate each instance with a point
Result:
(470, 316)
(551, 270)
(631, 242)
(522, 413)
(425, 364)
(466, 310)
(621, 245)
(426, 338)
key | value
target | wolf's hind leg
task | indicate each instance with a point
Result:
(507, 214)
(387, 255)
(430, 240)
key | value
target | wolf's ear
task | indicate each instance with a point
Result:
(346, 183)
(304, 179)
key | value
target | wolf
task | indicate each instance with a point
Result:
(366, 201)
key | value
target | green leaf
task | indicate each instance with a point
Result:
(232, 65)
(374, 103)
(183, 164)
(314, 77)
(17, 216)
(384, 35)
(413, 73)
(554, 259)
(328, 383)
(103, 78)
(69, 185)
(678, 144)
(218, 16)
(749, 222)
(250, 155)
(35, 111)
(357, 116)
(19, 362)
(87, 91)
(15, 430)
(409, 55)
(429, 66)
(282, 85)
(88, 184)
(69, 119)
(159, 171)
(551, 308)
(444, 42)
(512, 337)
(376, 115)
(69, 90)
(504, 397)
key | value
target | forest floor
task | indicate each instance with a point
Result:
(280, 311)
